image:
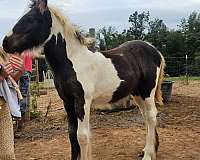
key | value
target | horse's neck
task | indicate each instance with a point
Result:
(74, 48)
(77, 53)
(73, 45)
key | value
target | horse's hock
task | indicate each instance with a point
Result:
(167, 90)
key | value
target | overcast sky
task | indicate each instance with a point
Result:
(99, 13)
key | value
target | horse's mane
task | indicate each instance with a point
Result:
(70, 30)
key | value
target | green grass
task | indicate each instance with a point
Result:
(182, 78)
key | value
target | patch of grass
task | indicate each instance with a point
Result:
(194, 78)
(182, 79)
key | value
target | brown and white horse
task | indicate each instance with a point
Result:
(83, 78)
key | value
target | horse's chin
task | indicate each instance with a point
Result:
(12, 50)
(35, 51)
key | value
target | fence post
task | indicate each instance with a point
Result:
(92, 33)
(186, 68)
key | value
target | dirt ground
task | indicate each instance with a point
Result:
(118, 135)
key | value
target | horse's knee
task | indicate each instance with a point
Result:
(151, 115)
(83, 136)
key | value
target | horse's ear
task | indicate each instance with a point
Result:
(41, 4)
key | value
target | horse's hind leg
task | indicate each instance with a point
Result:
(149, 112)
(84, 133)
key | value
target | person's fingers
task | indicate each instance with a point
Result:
(7, 65)
(8, 71)
(19, 68)
(16, 62)
(16, 58)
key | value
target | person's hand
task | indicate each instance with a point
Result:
(17, 63)
(6, 70)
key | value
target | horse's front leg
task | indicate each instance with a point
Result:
(73, 127)
(84, 132)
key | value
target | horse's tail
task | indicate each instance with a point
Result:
(158, 94)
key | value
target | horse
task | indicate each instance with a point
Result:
(84, 79)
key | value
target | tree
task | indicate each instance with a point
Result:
(157, 32)
(139, 22)
(174, 44)
(107, 38)
(190, 27)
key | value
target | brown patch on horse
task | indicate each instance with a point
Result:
(140, 61)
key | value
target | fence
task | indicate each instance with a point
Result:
(182, 66)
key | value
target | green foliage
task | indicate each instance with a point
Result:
(107, 38)
(172, 43)
(175, 44)
(110, 38)
(157, 32)
(190, 27)
(139, 22)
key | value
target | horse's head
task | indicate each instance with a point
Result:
(32, 30)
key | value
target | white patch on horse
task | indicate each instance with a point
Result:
(84, 134)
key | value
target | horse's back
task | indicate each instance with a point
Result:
(136, 49)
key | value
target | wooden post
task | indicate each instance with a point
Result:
(92, 34)
(186, 61)
(37, 71)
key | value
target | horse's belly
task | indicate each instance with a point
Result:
(104, 99)
(102, 102)
(122, 103)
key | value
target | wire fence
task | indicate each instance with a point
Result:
(182, 66)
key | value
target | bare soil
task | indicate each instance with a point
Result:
(117, 135)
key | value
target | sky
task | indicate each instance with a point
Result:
(100, 13)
